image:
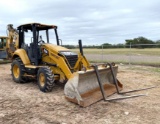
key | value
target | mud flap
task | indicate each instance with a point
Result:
(83, 88)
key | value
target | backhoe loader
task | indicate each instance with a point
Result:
(47, 63)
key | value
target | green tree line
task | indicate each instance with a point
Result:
(139, 42)
(142, 42)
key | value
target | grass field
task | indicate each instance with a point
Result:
(148, 56)
(122, 51)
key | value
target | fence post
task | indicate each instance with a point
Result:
(130, 54)
(102, 52)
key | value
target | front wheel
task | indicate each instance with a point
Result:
(16, 70)
(45, 79)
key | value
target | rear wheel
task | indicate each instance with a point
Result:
(17, 70)
(45, 79)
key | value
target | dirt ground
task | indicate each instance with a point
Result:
(26, 104)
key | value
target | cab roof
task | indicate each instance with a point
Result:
(39, 26)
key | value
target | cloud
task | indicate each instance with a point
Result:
(95, 22)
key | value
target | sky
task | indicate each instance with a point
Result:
(93, 21)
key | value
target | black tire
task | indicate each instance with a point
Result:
(45, 79)
(17, 69)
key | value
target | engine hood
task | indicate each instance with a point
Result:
(54, 48)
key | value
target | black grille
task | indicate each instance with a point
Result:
(72, 59)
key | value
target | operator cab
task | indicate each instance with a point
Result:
(34, 31)
(3, 41)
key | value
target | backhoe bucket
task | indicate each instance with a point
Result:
(83, 88)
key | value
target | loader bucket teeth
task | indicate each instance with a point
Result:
(83, 88)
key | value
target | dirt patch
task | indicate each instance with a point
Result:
(25, 103)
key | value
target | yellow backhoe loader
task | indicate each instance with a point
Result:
(85, 84)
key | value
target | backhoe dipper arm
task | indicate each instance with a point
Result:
(13, 36)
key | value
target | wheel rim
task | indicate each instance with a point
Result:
(16, 71)
(42, 79)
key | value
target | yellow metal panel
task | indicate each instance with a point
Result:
(23, 55)
(31, 66)
(55, 48)
(61, 64)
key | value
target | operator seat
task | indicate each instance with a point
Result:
(31, 51)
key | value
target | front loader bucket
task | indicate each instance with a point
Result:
(83, 88)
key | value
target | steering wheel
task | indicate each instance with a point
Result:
(41, 42)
